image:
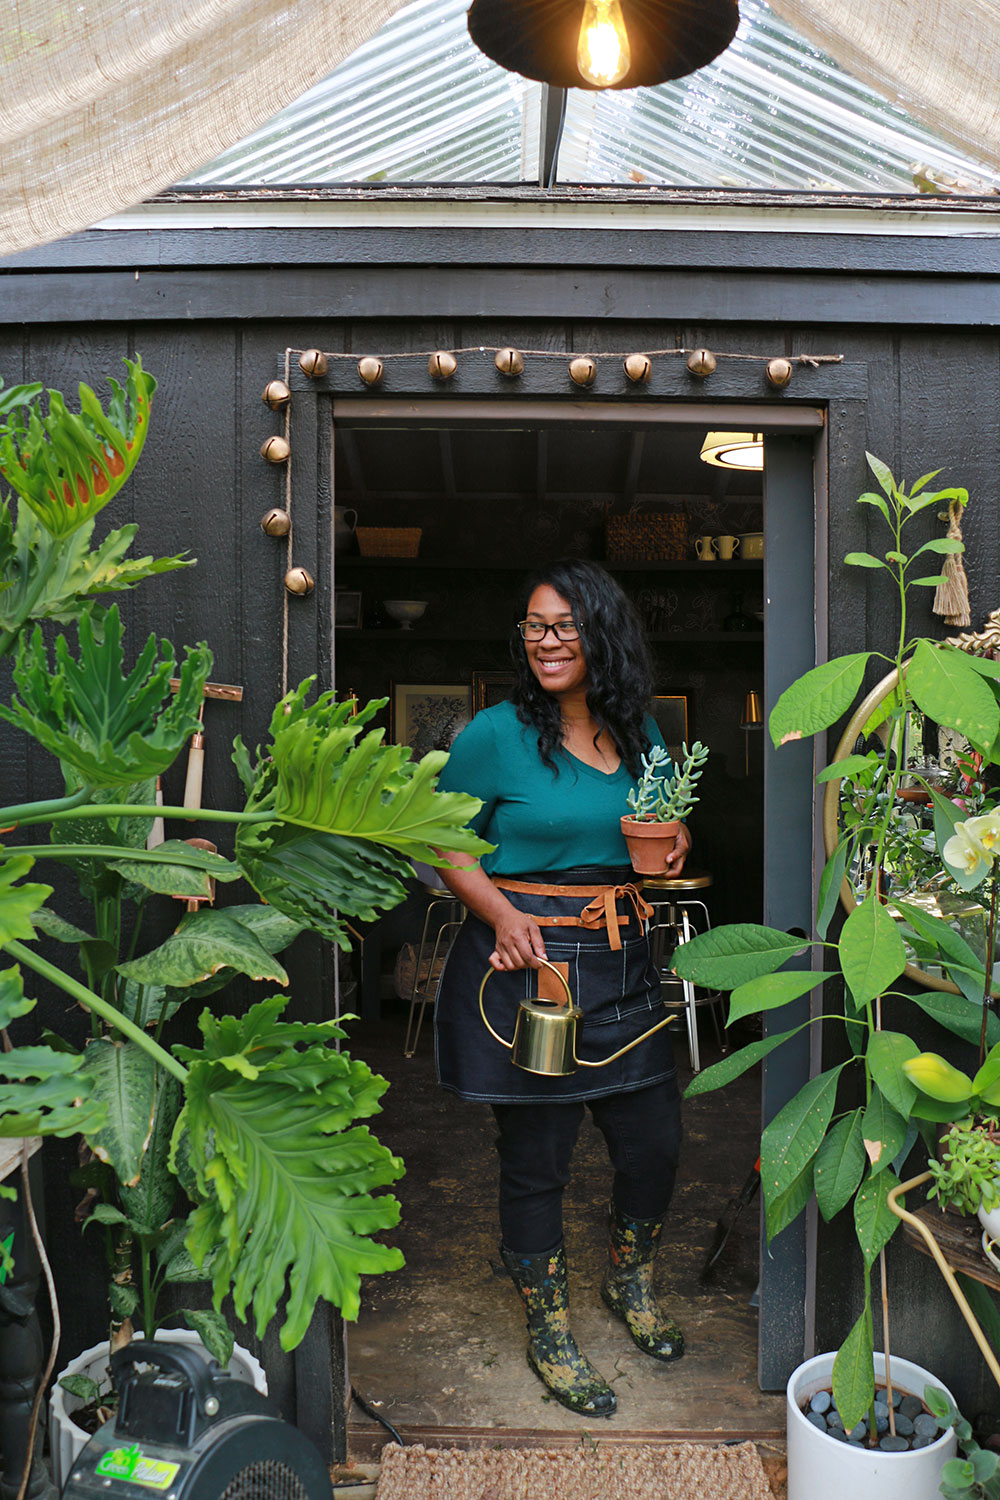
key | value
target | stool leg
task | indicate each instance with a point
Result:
(408, 1051)
(690, 1001)
(430, 980)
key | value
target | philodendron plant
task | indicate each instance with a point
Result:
(240, 1160)
(846, 1133)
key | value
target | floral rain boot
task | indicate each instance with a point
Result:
(627, 1287)
(553, 1352)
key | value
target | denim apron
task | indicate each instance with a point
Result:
(618, 991)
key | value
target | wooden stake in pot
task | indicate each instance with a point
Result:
(230, 693)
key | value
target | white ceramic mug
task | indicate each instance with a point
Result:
(705, 548)
(727, 547)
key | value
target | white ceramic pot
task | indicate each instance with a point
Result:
(66, 1439)
(990, 1221)
(820, 1468)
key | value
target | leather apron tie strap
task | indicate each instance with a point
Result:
(600, 911)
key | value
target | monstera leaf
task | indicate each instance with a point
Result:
(43, 1090)
(349, 817)
(18, 902)
(68, 466)
(286, 1177)
(110, 727)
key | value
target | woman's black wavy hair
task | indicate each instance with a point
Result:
(618, 666)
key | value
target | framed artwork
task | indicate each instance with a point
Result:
(347, 610)
(489, 688)
(428, 715)
(671, 713)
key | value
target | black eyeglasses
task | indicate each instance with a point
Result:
(537, 630)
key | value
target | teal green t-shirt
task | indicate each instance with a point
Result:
(538, 820)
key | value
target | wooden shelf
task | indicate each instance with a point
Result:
(737, 565)
(456, 633)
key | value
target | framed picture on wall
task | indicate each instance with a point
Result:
(347, 610)
(489, 688)
(428, 715)
(671, 713)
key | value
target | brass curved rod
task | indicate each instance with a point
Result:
(944, 1268)
(582, 1062)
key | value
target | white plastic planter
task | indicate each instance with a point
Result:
(990, 1221)
(820, 1468)
(66, 1439)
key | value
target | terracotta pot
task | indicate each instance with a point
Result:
(649, 843)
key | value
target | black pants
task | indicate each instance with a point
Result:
(643, 1133)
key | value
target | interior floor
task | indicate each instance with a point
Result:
(439, 1350)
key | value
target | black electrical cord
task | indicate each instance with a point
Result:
(376, 1416)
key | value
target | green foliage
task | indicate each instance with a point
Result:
(18, 903)
(850, 1158)
(109, 727)
(974, 1476)
(287, 1179)
(967, 1174)
(68, 466)
(662, 797)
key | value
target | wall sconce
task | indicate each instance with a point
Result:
(753, 718)
(734, 450)
(601, 44)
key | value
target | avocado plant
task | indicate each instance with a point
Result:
(847, 1131)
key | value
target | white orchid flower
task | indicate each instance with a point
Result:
(967, 850)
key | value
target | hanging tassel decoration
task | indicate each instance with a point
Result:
(951, 598)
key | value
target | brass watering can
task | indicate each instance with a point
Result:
(546, 1031)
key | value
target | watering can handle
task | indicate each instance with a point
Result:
(489, 974)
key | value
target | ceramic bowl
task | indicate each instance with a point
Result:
(404, 611)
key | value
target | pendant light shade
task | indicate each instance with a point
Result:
(733, 450)
(569, 43)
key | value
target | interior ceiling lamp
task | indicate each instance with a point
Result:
(603, 44)
(734, 450)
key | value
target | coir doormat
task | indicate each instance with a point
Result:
(683, 1471)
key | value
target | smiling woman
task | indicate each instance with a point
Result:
(552, 768)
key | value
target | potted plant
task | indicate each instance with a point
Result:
(231, 1160)
(848, 1130)
(659, 804)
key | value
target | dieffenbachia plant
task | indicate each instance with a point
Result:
(824, 1141)
(260, 1125)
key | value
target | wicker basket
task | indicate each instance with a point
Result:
(388, 541)
(405, 971)
(647, 536)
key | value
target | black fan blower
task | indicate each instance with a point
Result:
(186, 1430)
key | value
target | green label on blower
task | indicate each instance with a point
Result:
(133, 1465)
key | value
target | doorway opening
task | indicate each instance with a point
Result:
(493, 491)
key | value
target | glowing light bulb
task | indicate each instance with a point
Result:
(603, 54)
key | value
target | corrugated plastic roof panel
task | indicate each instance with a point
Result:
(419, 103)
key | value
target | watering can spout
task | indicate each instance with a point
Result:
(546, 1032)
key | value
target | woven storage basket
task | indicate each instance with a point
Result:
(647, 536)
(405, 968)
(388, 541)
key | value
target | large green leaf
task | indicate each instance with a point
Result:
(123, 1080)
(887, 1051)
(770, 991)
(213, 1330)
(67, 466)
(17, 902)
(736, 1064)
(854, 1373)
(951, 692)
(49, 1090)
(287, 1177)
(794, 1135)
(205, 943)
(840, 1162)
(874, 1221)
(733, 955)
(110, 726)
(784, 1208)
(831, 880)
(872, 954)
(150, 1202)
(818, 698)
(14, 1003)
(883, 1131)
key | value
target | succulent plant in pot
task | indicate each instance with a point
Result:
(659, 804)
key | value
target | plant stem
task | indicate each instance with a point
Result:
(991, 933)
(108, 851)
(148, 1295)
(136, 810)
(94, 1002)
(40, 812)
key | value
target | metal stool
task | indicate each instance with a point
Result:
(669, 927)
(431, 949)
